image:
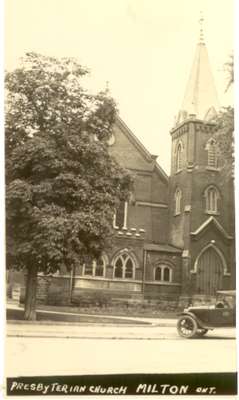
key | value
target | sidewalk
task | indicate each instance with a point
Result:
(88, 332)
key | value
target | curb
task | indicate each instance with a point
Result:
(65, 323)
(92, 337)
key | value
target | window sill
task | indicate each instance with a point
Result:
(212, 212)
(216, 169)
(123, 279)
(91, 276)
(84, 277)
(176, 214)
(162, 283)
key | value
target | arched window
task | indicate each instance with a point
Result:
(211, 197)
(163, 273)
(178, 158)
(211, 153)
(99, 266)
(88, 269)
(120, 218)
(166, 274)
(177, 198)
(124, 266)
(158, 274)
(129, 269)
(118, 271)
(95, 268)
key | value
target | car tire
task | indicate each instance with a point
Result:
(187, 326)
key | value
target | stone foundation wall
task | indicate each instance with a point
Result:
(56, 290)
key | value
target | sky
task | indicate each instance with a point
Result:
(143, 49)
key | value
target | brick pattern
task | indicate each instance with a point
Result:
(194, 178)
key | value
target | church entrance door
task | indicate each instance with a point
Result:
(209, 272)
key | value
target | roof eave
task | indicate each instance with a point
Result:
(145, 153)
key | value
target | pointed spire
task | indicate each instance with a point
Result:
(200, 98)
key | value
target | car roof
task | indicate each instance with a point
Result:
(227, 292)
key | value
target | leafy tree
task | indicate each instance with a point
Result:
(62, 186)
(225, 140)
(225, 127)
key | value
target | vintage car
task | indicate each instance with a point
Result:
(196, 321)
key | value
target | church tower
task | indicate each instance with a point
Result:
(201, 196)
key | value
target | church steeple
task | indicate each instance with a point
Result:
(200, 98)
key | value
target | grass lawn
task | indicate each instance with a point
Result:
(44, 315)
(135, 312)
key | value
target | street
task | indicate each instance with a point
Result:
(71, 350)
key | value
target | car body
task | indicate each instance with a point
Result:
(196, 321)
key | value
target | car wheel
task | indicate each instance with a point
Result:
(201, 332)
(187, 326)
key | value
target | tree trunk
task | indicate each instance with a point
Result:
(30, 298)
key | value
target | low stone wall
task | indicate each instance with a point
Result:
(60, 290)
(161, 292)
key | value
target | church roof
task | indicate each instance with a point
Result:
(150, 158)
(200, 98)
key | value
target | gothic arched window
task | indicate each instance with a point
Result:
(177, 198)
(166, 274)
(95, 268)
(124, 266)
(118, 270)
(211, 148)
(158, 274)
(163, 273)
(211, 197)
(178, 158)
(99, 266)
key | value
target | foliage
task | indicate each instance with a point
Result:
(229, 69)
(62, 186)
(225, 127)
(225, 139)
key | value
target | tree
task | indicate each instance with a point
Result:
(225, 139)
(62, 186)
(225, 127)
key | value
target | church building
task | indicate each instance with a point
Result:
(174, 239)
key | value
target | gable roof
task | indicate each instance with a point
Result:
(205, 224)
(150, 158)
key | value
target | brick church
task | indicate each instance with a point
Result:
(174, 239)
